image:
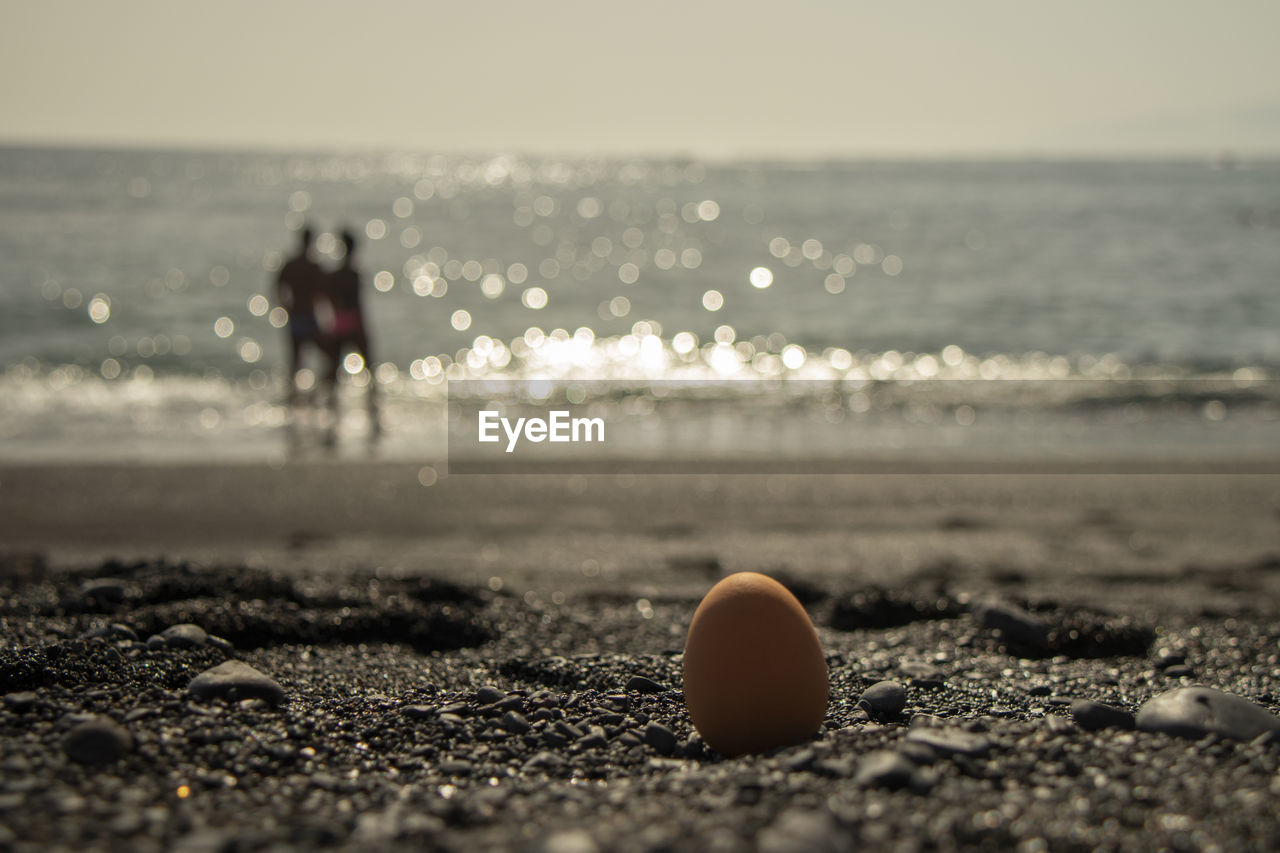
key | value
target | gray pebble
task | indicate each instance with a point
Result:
(1014, 624)
(184, 636)
(568, 729)
(418, 712)
(950, 741)
(514, 722)
(455, 767)
(112, 631)
(112, 590)
(100, 740)
(1180, 670)
(800, 760)
(235, 680)
(594, 739)
(661, 738)
(511, 703)
(1198, 711)
(21, 701)
(640, 684)
(489, 695)
(219, 643)
(884, 699)
(544, 759)
(1092, 716)
(885, 769)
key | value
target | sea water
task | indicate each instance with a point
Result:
(136, 286)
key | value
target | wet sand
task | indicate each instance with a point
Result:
(1059, 532)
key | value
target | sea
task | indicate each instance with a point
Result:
(138, 320)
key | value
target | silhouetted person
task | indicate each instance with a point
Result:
(349, 332)
(300, 290)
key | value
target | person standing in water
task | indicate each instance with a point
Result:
(300, 290)
(349, 331)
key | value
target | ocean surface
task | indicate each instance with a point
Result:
(136, 321)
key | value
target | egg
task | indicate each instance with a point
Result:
(754, 674)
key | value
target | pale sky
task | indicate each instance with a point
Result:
(747, 78)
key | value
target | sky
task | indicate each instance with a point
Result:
(720, 79)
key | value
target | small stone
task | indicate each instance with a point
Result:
(661, 738)
(568, 729)
(594, 739)
(112, 590)
(489, 695)
(184, 636)
(546, 699)
(885, 769)
(1169, 657)
(950, 741)
(112, 631)
(155, 642)
(884, 699)
(235, 680)
(22, 701)
(800, 760)
(220, 643)
(1092, 716)
(100, 740)
(1015, 625)
(514, 722)
(418, 712)
(640, 684)
(511, 703)
(1180, 670)
(1194, 712)
(455, 767)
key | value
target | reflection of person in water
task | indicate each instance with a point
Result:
(348, 332)
(300, 289)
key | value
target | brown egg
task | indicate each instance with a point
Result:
(754, 675)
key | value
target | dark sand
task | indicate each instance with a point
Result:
(559, 590)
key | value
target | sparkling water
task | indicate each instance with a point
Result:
(135, 311)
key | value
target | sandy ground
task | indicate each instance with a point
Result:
(1087, 536)
(577, 583)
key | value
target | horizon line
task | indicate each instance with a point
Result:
(1225, 153)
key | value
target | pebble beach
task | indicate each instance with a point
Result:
(1015, 662)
